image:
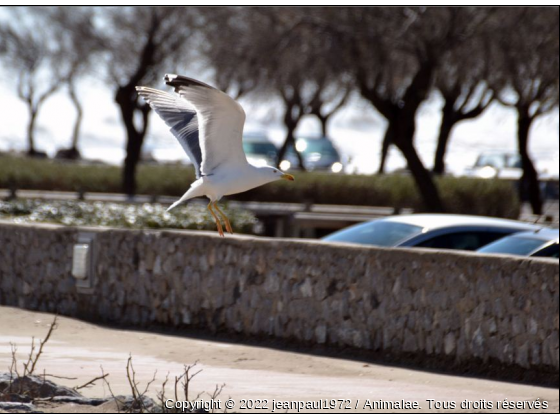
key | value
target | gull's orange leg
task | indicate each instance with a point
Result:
(224, 217)
(218, 223)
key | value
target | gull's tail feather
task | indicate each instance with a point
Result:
(193, 191)
(172, 206)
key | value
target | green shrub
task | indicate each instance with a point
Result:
(485, 197)
(460, 195)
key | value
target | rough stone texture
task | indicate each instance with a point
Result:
(22, 394)
(35, 386)
(462, 306)
(7, 406)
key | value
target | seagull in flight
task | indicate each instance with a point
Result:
(209, 127)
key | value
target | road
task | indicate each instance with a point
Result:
(79, 349)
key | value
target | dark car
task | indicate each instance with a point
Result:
(541, 243)
(442, 231)
(318, 154)
(496, 165)
(259, 150)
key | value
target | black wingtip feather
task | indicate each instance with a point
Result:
(176, 81)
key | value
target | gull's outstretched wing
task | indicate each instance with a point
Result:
(220, 123)
(178, 115)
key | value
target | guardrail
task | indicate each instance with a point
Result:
(295, 220)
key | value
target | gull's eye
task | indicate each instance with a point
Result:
(275, 171)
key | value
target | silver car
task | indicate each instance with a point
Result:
(541, 243)
(444, 231)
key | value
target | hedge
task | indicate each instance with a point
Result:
(460, 195)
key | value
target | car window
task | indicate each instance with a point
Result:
(308, 147)
(468, 241)
(378, 232)
(320, 147)
(513, 245)
(495, 160)
(253, 148)
(549, 251)
(514, 161)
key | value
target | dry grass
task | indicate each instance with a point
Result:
(138, 402)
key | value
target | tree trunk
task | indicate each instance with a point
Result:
(387, 140)
(290, 140)
(31, 151)
(78, 121)
(126, 99)
(529, 183)
(423, 179)
(292, 115)
(133, 150)
(403, 128)
(400, 131)
(324, 121)
(448, 120)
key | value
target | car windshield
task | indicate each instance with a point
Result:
(307, 147)
(253, 148)
(378, 232)
(513, 245)
(499, 160)
(514, 161)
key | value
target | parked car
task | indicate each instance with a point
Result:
(318, 154)
(540, 243)
(259, 150)
(497, 165)
(443, 231)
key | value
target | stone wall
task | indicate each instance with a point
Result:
(456, 306)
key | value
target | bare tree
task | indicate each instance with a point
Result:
(295, 104)
(528, 52)
(305, 71)
(78, 36)
(465, 80)
(273, 51)
(31, 51)
(308, 96)
(231, 48)
(243, 46)
(143, 43)
(329, 102)
(397, 52)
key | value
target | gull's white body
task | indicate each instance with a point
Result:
(209, 126)
(225, 182)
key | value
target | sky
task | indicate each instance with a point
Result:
(356, 130)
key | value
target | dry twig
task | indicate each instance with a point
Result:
(91, 382)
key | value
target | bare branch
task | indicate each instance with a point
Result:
(89, 383)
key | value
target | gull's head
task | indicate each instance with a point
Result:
(270, 174)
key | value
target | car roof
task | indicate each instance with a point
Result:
(499, 152)
(256, 138)
(438, 221)
(546, 234)
(315, 138)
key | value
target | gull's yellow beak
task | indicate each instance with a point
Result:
(288, 177)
